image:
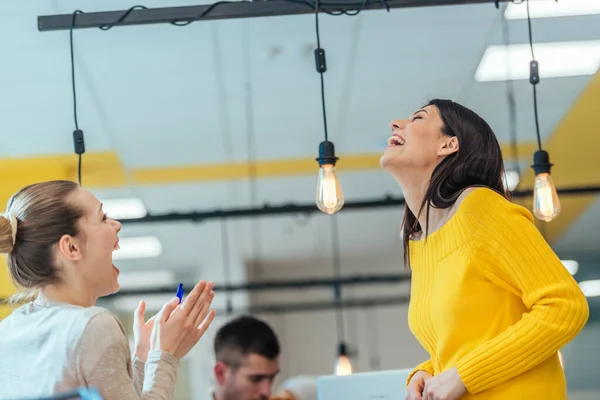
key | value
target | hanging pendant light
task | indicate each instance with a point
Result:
(546, 205)
(329, 198)
(343, 366)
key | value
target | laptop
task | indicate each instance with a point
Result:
(379, 385)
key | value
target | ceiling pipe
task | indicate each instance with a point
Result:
(271, 285)
(308, 209)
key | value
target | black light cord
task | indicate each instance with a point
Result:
(73, 87)
(321, 71)
(349, 8)
(226, 271)
(252, 173)
(535, 104)
(373, 339)
(78, 133)
(511, 102)
(122, 17)
(535, 115)
(337, 275)
(529, 30)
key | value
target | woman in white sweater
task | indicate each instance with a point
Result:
(59, 244)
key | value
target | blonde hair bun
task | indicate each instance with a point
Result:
(8, 232)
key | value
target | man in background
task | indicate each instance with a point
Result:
(247, 355)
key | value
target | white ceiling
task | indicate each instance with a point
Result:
(162, 95)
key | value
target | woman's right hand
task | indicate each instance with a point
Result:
(414, 390)
(178, 327)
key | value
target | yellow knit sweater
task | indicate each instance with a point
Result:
(490, 297)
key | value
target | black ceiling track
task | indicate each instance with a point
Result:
(228, 10)
(272, 285)
(308, 209)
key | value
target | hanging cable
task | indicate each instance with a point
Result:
(373, 338)
(546, 205)
(511, 102)
(350, 8)
(337, 274)
(330, 198)
(321, 68)
(251, 153)
(343, 366)
(226, 266)
(78, 141)
(534, 78)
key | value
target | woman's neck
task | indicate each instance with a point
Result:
(437, 216)
(414, 191)
(77, 295)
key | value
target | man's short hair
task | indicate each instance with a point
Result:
(243, 336)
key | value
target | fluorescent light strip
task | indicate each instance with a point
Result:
(511, 179)
(146, 279)
(557, 59)
(571, 265)
(551, 8)
(124, 208)
(590, 288)
(138, 247)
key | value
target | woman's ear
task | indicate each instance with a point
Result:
(449, 146)
(70, 248)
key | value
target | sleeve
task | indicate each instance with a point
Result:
(426, 366)
(518, 259)
(138, 374)
(104, 362)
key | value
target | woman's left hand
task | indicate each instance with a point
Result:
(141, 332)
(445, 386)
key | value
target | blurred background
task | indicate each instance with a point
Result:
(226, 114)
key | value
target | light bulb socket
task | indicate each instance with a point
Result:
(541, 162)
(326, 154)
(342, 350)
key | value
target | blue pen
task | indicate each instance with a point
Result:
(180, 292)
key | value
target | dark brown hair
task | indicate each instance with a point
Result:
(44, 214)
(478, 162)
(243, 336)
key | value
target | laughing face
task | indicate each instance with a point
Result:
(416, 143)
(100, 234)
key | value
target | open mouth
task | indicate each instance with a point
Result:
(117, 247)
(395, 140)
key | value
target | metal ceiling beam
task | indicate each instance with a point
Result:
(308, 209)
(266, 210)
(306, 306)
(224, 10)
(267, 285)
(287, 307)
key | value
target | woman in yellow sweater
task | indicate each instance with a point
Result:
(490, 301)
